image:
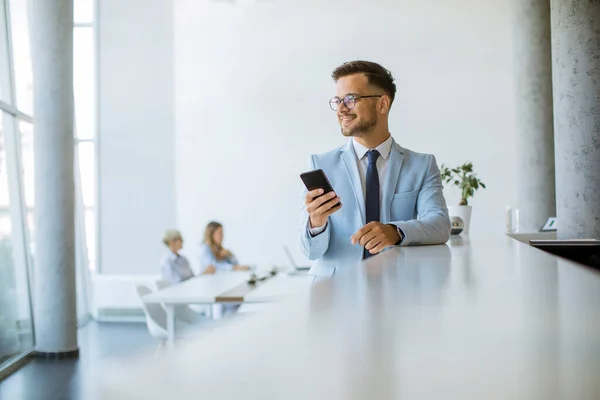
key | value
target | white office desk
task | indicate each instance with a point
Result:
(225, 287)
(202, 289)
(487, 319)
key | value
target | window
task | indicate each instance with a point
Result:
(17, 181)
(83, 12)
(16, 334)
(16, 327)
(83, 81)
(84, 78)
(86, 157)
(84, 86)
(23, 77)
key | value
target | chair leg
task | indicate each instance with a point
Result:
(159, 348)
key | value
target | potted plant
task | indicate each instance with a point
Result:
(467, 181)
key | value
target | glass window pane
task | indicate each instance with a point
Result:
(27, 160)
(21, 55)
(88, 188)
(4, 199)
(83, 81)
(86, 168)
(27, 163)
(15, 317)
(4, 59)
(90, 237)
(81, 263)
(83, 11)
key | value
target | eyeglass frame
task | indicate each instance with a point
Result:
(356, 97)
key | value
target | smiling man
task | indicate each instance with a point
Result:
(390, 196)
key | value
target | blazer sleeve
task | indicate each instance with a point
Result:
(432, 225)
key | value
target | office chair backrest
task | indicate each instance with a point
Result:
(156, 316)
(182, 312)
(162, 284)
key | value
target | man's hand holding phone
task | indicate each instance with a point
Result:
(320, 206)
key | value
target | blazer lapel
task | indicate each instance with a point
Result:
(349, 159)
(391, 180)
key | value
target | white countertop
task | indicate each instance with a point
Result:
(477, 319)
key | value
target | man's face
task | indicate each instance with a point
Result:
(363, 117)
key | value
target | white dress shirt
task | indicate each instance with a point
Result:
(362, 161)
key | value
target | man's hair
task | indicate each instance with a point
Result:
(375, 73)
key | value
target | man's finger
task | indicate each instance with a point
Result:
(376, 241)
(360, 233)
(367, 237)
(314, 193)
(311, 196)
(379, 247)
(316, 203)
(323, 208)
(333, 209)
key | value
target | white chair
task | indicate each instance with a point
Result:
(182, 312)
(156, 317)
(162, 284)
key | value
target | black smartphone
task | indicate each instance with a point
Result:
(317, 180)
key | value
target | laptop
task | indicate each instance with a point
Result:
(291, 260)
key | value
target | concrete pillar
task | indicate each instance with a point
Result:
(535, 125)
(51, 23)
(576, 82)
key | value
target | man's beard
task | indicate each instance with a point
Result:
(362, 128)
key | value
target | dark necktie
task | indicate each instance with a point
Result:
(372, 193)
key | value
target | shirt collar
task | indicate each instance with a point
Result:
(383, 149)
(172, 256)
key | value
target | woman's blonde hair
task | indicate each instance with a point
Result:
(170, 235)
(218, 251)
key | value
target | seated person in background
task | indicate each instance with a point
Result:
(174, 267)
(212, 254)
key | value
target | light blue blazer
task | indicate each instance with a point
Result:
(412, 199)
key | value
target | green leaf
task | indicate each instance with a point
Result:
(462, 177)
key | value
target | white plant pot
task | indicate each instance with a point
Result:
(462, 212)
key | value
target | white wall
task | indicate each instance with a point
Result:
(252, 84)
(136, 133)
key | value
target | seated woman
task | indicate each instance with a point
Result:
(174, 267)
(212, 254)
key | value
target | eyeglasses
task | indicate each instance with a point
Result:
(349, 101)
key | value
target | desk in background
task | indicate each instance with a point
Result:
(229, 287)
